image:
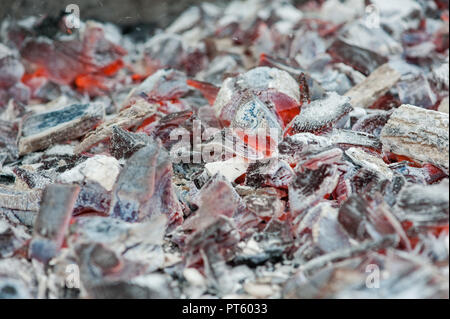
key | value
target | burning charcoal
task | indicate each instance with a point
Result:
(348, 137)
(9, 132)
(106, 275)
(126, 118)
(415, 90)
(7, 179)
(76, 59)
(231, 169)
(11, 239)
(92, 198)
(124, 143)
(362, 60)
(130, 199)
(32, 179)
(11, 72)
(101, 169)
(443, 106)
(52, 221)
(372, 123)
(43, 130)
(419, 134)
(424, 204)
(370, 218)
(20, 200)
(310, 186)
(138, 242)
(320, 115)
(272, 86)
(162, 85)
(374, 86)
(17, 279)
(151, 193)
(399, 16)
(303, 143)
(274, 172)
(370, 162)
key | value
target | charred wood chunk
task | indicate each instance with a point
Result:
(360, 59)
(352, 138)
(52, 222)
(424, 204)
(321, 115)
(124, 143)
(20, 200)
(144, 187)
(310, 186)
(43, 130)
(9, 132)
(419, 134)
(374, 86)
(32, 179)
(126, 118)
(135, 184)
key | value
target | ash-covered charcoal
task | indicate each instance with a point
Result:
(369, 162)
(151, 192)
(353, 138)
(250, 149)
(163, 85)
(18, 279)
(33, 179)
(124, 143)
(424, 205)
(92, 198)
(138, 242)
(104, 274)
(127, 118)
(43, 130)
(365, 217)
(310, 186)
(372, 123)
(321, 115)
(274, 172)
(372, 88)
(9, 135)
(362, 60)
(52, 221)
(270, 86)
(25, 200)
(419, 134)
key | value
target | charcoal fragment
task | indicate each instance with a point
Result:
(365, 61)
(52, 221)
(43, 130)
(374, 86)
(320, 115)
(124, 144)
(419, 134)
